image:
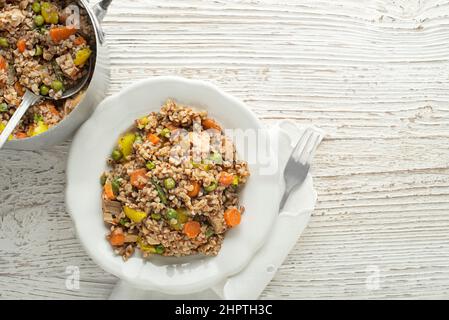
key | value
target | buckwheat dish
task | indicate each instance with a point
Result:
(41, 51)
(173, 185)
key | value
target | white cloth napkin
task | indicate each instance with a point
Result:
(252, 280)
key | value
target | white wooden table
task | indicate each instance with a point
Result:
(373, 74)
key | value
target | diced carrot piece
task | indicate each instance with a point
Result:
(210, 124)
(79, 41)
(232, 217)
(192, 229)
(153, 138)
(108, 192)
(53, 109)
(3, 64)
(117, 238)
(138, 178)
(58, 34)
(21, 135)
(225, 179)
(196, 189)
(21, 45)
(19, 88)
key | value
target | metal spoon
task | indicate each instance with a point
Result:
(29, 99)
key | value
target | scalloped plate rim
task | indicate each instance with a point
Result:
(117, 271)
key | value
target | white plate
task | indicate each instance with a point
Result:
(87, 160)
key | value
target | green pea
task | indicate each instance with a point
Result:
(202, 166)
(138, 138)
(123, 221)
(150, 165)
(39, 20)
(116, 155)
(216, 158)
(156, 216)
(169, 183)
(38, 51)
(211, 187)
(103, 179)
(44, 90)
(57, 85)
(3, 107)
(38, 118)
(165, 133)
(36, 6)
(115, 187)
(172, 214)
(160, 249)
(4, 42)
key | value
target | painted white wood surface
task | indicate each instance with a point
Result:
(373, 74)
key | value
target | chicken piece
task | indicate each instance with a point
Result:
(10, 96)
(152, 240)
(70, 104)
(112, 207)
(24, 4)
(11, 19)
(3, 78)
(65, 62)
(218, 223)
(47, 55)
(131, 238)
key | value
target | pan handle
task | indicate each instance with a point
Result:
(100, 9)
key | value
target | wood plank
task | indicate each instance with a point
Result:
(373, 74)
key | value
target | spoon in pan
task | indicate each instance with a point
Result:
(30, 98)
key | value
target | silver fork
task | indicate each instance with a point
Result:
(298, 164)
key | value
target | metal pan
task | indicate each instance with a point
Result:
(93, 94)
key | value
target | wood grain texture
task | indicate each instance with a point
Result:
(373, 74)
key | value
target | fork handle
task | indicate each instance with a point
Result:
(27, 101)
(284, 199)
(287, 192)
